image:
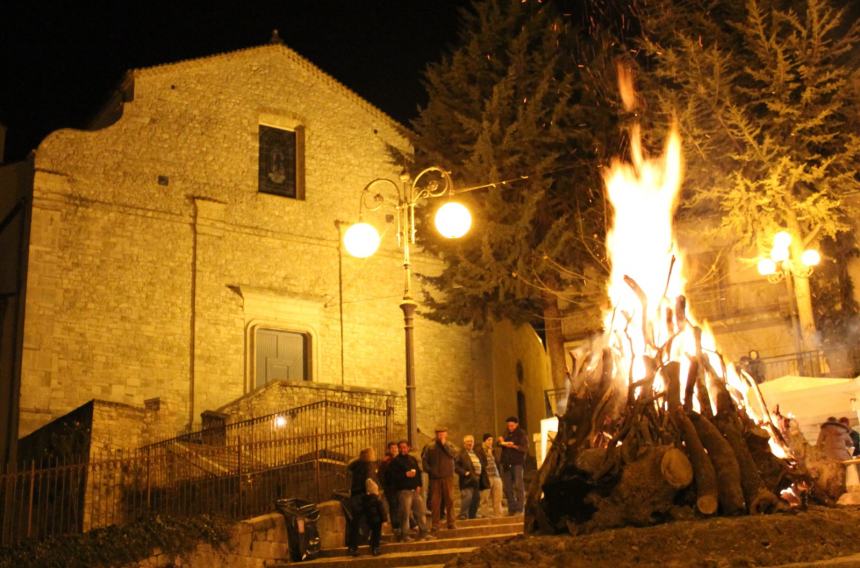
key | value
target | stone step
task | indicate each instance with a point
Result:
(392, 560)
(482, 522)
(422, 545)
(463, 530)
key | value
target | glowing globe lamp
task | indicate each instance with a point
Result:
(453, 220)
(781, 240)
(779, 254)
(766, 267)
(810, 257)
(361, 240)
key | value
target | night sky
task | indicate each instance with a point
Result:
(59, 60)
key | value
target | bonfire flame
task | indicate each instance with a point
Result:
(655, 421)
(649, 323)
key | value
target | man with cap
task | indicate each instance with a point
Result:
(515, 446)
(438, 458)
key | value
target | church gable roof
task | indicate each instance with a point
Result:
(278, 48)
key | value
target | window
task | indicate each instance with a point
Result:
(521, 409)
(281, 161)
(281, 356)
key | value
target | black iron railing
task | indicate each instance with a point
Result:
(237, 472)
(722, 301)
(804, 364)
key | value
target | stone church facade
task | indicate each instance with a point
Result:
(189, 250)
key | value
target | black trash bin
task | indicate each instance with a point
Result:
(302, 533)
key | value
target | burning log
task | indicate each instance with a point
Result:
(706, 477)
(725, 464)
(758, 498)
(646, 491)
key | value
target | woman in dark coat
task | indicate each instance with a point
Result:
(834, 441)
(364, 502)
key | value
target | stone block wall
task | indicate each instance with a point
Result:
(255, 543)
(118, 426)
(154, 260)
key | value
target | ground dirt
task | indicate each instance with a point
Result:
(766, 540)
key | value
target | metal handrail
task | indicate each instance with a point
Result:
(288, 413)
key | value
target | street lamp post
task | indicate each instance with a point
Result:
(780, 265)
(361, 240)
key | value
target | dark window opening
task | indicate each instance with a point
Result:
(521, 409)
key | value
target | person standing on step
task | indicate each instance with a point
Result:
(469, 468)
(439, 465)
(387, 489)
(855, 437)
(492, 475)
(405, 478)
(364, 501)
(515, 446)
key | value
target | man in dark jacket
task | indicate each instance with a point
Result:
(405, 478)
(515, 446)
(390, 493)
(439, 464)
(470, 469)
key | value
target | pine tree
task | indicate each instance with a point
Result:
(524, 94)
(761, 92)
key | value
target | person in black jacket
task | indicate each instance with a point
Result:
(389, 492)
(364, 502)
(515, 445)
(405, 477)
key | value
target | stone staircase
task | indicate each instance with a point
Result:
(469, 535)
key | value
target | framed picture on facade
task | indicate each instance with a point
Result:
(281, 163)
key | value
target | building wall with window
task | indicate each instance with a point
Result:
(521, 377)
(191, 251)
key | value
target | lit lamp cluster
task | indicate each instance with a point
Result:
(780, 262)
(361, 240)
(452, 220)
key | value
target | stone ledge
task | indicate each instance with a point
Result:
(263, 522)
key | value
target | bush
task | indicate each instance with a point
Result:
(118, 545)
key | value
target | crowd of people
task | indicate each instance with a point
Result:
(393, 489)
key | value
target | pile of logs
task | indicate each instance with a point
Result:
(640, 452)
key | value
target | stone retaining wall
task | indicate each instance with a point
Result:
(255, 543)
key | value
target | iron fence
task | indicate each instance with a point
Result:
(237, 473)
(724, 300)
(805, 364)
(320, 416)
